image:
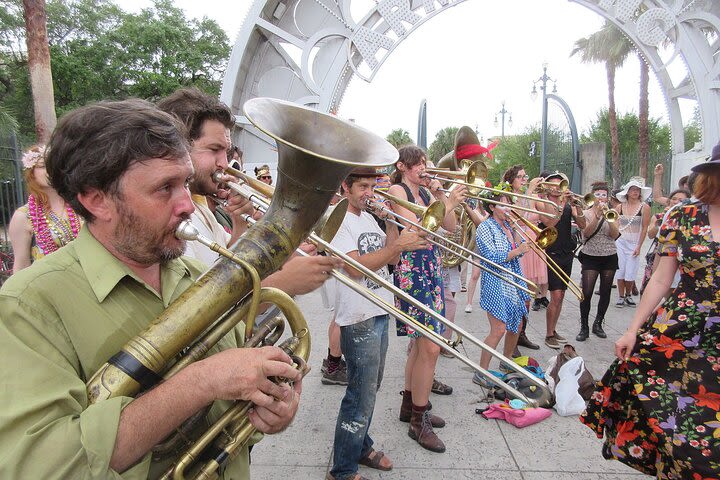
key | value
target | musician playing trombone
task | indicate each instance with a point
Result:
(363, 325)
(207, 123)
(505, 304)
(419, 273)
(125, 167)
(562, 251)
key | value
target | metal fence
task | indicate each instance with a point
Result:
(12, 195)
(630, 167)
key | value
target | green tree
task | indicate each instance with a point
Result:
(444, 142)
(98, 51)
(693, 131)
(399, 138)
(608, 46)
(628, 127)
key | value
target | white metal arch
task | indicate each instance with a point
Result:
(306, 51)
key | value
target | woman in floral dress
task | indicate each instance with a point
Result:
(419, 273)
(46, 222)
(658, 405)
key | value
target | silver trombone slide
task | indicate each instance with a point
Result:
(544, 400)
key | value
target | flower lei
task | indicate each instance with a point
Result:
(504, 186)
(32, 157)
(46, 223)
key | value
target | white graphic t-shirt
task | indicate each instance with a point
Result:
(360, 233)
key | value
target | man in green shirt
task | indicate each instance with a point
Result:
(123, 166)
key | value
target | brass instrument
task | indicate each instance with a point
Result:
(545, 238)
(431, 217)
(543, 397)
(453, 247)
(583, 201)
(474, 179)
(610, 215)
(464, 235)
(311, 167)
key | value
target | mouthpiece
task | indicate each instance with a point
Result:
(186, 231)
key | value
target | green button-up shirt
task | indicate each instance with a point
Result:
(60, 320)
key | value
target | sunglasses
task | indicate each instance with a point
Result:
(265, 177)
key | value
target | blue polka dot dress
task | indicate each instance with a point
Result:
(498, 297)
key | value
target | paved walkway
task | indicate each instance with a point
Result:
(559, 448)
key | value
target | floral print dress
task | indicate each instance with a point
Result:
(660, 410)
(419, 274)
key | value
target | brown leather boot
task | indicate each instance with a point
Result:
(406, 411)
(421, 430)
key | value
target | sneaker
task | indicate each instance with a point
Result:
(537, 305)
(630, 302)
(338, 376)
(552, 342)
(480, 379)
(620, 303)
(545, 302)
(463, 288)
(559, 337)
(468, 308)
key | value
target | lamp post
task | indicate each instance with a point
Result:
(543, 86)
(502, 114)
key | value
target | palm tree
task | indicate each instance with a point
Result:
(399, 138)
(39, 67)
(609, 46)
(8, 124)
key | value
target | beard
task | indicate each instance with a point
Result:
(141, 242)
(203, 183)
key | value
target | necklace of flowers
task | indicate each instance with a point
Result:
(44, 227)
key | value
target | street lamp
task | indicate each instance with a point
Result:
(502, 113)
(543, 86)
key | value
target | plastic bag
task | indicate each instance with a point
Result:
(520, 417)
(567, 398)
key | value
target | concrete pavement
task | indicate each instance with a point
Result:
(559, 448)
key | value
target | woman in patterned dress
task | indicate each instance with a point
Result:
(46, 222)
(419, 273)
(658, 405)
(532, 266)
(505, 304)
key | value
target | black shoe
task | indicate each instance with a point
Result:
(537, 305)
(597, 328)
(629, 301)
(524, 341)
(545, 302)
(584, 331)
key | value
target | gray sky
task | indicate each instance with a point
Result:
(468, 59)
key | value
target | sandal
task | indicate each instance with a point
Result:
(374, 461)
(440, 388)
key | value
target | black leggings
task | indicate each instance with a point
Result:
(589, 278)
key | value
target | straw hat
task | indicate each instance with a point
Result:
(634, 182)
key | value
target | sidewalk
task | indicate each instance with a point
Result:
(559, 448)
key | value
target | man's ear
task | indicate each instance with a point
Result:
(98, 203)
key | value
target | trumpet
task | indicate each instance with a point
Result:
(545, 238)
(543, 396)
(610, 215)
(583, 201)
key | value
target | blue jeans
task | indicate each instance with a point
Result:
(364, 345)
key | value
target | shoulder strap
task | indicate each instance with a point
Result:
(600, 224)
(410, 196)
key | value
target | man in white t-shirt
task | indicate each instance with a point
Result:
(363, 325)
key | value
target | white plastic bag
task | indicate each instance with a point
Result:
(567, 399)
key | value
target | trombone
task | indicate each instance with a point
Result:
(473, 179)
(424, 213)
(545, 238)
(584, 201)
(544, 396)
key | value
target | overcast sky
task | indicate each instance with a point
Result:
(470, 58)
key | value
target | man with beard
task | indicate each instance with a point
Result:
(208, 123)
(123, 166)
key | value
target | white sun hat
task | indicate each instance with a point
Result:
(634, 182)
